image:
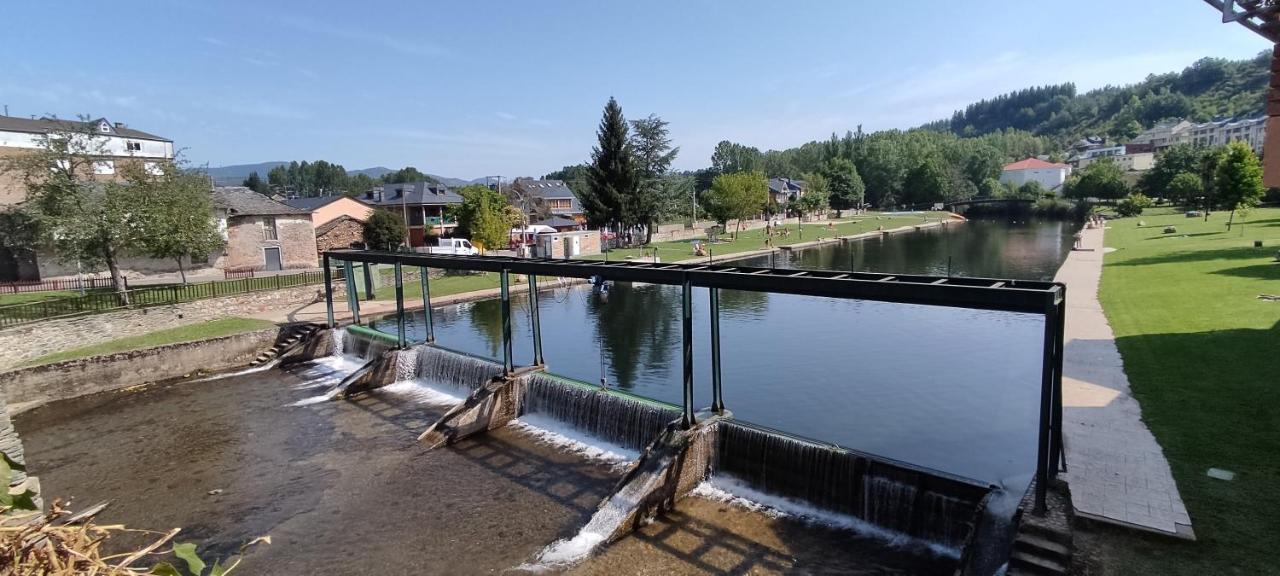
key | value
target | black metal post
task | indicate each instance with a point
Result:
(717, 394)
(368, 283)
(400, 339)
(505, 281)
(328, 292)
(353, 293)
(535, 320)
(687, 320)
(1056, 453)
(426, 304)
(1046, 410)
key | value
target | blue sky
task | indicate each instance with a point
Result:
(478, 88)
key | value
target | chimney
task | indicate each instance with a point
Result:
(120, 125)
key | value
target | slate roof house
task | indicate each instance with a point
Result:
(262, 234)
(785, 190)
(547, 197)
(421, 204)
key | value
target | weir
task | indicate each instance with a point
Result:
(681, 448)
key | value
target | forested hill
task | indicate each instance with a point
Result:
(1210, 88)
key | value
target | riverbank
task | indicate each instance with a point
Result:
(1199, 348)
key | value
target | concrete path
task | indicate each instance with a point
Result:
(1116, 469)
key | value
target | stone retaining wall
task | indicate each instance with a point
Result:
(22, 343)
(30, 387)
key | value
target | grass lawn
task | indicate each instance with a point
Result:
(1202, 353)
(29, 297)
(201, 331)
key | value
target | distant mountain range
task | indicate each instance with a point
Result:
(234, 175)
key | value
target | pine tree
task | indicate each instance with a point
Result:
(613, 176)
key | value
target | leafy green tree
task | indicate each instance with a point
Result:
(1178, 159)
(1184, 188)
(484, 216)
(991, 188)
(1238, 179)
(845, 187)
(175, 213)
(405, 175)
(358, 184)
(737, 196)
(614, 176)
(925, 183)
(308, 178)
(1029, 190)
(1101, 179)
(1133, 204)
(651, 144)
(729, 157)
(255, 183)
(384, 230)
(815, 196)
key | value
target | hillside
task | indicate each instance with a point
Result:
(235, 174)
(1210, 88)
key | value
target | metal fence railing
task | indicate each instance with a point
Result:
(105, 301)
(57, 285)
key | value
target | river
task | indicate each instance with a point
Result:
(951, 389)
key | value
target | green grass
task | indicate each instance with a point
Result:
(1202, 353)
(29, 297)
(188, 333)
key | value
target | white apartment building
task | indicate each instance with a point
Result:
(1250, 130)
(1048, 174)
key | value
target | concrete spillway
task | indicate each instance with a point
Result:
(895, 499)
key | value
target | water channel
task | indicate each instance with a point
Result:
(951, 389)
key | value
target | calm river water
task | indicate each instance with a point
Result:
(951, 389)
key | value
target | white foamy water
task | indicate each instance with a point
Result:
(324, 373)
(421, 391)
(723, 488)
(259, 368)
(572, 440)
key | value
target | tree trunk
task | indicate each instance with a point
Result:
(182, 271)
(117, 280)
(648, 233)
(1231, 219)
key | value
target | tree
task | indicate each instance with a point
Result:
(613, 177)
(1029, 190)
(845, 189)
(1178, 159)
(925, 183)
(728, 158)
(384, 230)
(1101, 179)
(358, 184)
(1133, 204)
(737, 196)
(405, 175)
(815, 197)
(484, 217)
(83, 220)
(176, 213)
(1184, 188)
(651, 144)
(255, 183)
(1238, 179)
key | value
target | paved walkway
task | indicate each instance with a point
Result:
(1116, 470)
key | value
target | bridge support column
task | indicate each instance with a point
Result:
(328, 292)
(535, 320)
(1046, 452)
(504, 279)
(687, 419)
(368, 282)
(353, 292)
(400, 339)
(717, 393)
(426, 304)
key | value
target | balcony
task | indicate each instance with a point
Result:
(441, 221)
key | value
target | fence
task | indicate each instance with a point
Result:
(98, 302)
(55, 285)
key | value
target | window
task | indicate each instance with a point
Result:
(104, 128)
(104, 167)
(269, 228)
(133, 146)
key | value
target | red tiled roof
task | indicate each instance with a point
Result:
(1032, 164)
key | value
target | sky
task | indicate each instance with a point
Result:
(482, 88)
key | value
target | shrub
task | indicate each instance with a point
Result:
(1133, 204)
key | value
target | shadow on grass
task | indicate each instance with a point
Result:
(1192, 235)
(1211, 401)
(1268, 271)
(1197, 255)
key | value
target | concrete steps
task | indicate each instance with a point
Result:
(294, 335)
(1041, 549)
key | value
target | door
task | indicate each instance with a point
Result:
(577, 246)
(273, 258)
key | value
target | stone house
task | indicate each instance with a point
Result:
(339, 234)
(262, 234)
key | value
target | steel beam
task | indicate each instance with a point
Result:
(328, 292)
(504, 279)
(353, 292)
(1057, 457)
(368, 281)
(717, 394)
(400, 339)
(426, 304)
(979, 293)
(535, 320)
(687, 420)
(1043, 449)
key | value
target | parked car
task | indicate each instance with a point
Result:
(454, 246)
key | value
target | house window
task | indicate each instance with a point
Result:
(104, 128)
(269, 228)
(133, 146)
(104, 167)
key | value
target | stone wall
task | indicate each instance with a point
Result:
(295, 237)
(30, 387)
(340, 236)
(22, 343)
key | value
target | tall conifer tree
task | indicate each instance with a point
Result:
(612, 177)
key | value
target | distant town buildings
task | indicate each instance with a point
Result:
(783, 191)
(1216, 133)
(422, 205)
(338, 220)
(550, 198)
(1049, 174)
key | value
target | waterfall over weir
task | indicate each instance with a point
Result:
(609, 416)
